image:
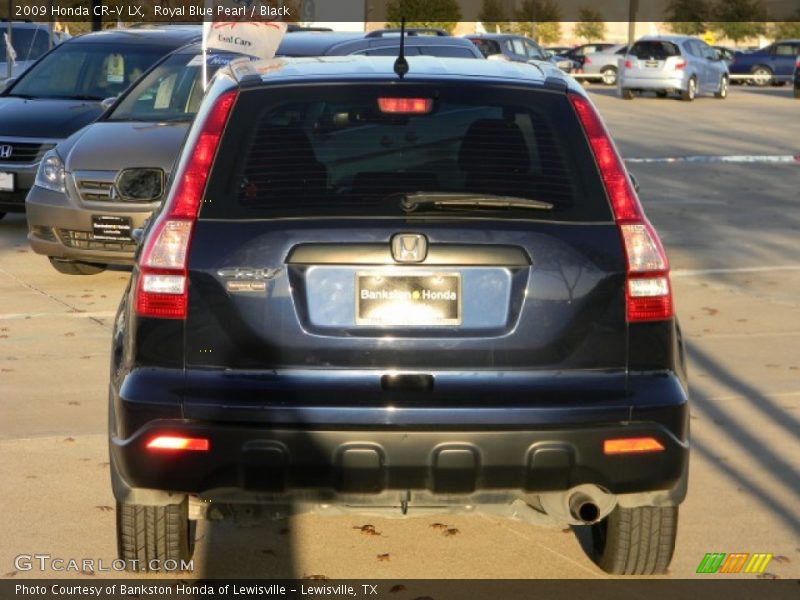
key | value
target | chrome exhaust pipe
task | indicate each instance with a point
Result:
(583, 508)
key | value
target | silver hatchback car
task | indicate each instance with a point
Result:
(674, 64)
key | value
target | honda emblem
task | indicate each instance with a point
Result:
(409, 247)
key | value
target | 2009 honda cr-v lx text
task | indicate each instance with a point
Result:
(397, 293)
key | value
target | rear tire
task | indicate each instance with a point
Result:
(691, 90)
(762, 76)
(154, 533)
(609, 75)
(723, 88)
(797, 92)
(627, 94)
(2, 214)
(70, 267)
(636, 541)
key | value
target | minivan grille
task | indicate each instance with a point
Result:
(19, 152)
(95, 190)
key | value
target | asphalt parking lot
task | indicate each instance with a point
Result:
(731, 231)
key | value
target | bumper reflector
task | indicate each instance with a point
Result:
(169, 442)
(631, 445)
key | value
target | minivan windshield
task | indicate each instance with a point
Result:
(170, 92)
(86, 71)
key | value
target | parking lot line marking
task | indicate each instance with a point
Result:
(707, 158)
(701, 272)
(766, 334)
(85, 315)
(765, 394)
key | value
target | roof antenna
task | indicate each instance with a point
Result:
(401, 64)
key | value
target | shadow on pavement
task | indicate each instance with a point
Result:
(770, 459)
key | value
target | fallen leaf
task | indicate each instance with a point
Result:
(10, 574)
(438, 526)
(69, 439)
(450, 532)
(74, 403)
(383, 557)
(104, 508)
(397, 588)
(767, 576)
(710, 311)
(69, 334)
(781, 559)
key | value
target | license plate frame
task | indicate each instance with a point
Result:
(444, 301)
(8, 182)
(651, 64)
(111, 228)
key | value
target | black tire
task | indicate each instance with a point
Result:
(691, 90)
(796, 92)
(627, 94)
(2, 214)
(609, 75)
(636, 541)
(724, 84)
(154, 533)
(70, 267)
(762, 76)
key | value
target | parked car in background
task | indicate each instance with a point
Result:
(578, 53)
(518, 48)
(96, 187)
(604, 65)
(558, 50)
(382, 42)
(797, 78)
(434, 293)
(674, 64)
(65, 90)
(725, 54)
(773, 64)
(29, 42)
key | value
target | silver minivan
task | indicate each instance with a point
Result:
(674, 64)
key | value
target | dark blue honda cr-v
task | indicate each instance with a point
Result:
(400, 293)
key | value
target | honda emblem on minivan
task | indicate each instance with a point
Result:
(409, 247)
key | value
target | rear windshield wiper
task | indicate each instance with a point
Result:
(411, 202)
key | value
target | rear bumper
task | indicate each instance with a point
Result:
(331, 462)
(655, 83)
(288, 451)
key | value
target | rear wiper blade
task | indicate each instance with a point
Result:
(411, 202)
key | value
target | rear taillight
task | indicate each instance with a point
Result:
(648, 294)
(681, 64)
(162, 288)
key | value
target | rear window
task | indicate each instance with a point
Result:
(329, 151)
(654, 50)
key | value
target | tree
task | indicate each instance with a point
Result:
(688, 17)
(590, 25)
(492, 11)
(440, 14)
(787, 29)
(740, 19)
(539, 19)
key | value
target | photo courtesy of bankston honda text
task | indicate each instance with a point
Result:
(401, 293)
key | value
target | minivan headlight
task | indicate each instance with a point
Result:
(51, 172)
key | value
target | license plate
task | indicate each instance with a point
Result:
(110, 228)
(6, 182)
(419, 299)
(652, 64)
